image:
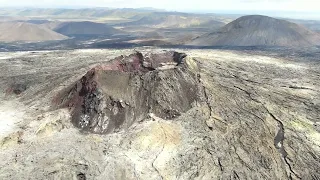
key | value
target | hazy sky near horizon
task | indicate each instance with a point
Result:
(178, 5)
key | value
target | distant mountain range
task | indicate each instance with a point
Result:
(94, 13)
(154, 25)
(48, 31)
(176, 20)
(72, 13)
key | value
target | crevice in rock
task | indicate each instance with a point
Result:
(207, 101)
(240, 159)
(278, 143)
(235, 175)
(300, 87)
(155, 168)
(248, 93)
(204, 90)
(220, 165)
(163, 146)
(279, 138)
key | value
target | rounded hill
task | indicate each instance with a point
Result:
(256, 30)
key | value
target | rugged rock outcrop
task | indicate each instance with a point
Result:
(116, 94)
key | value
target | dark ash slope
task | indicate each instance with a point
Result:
(84, 28)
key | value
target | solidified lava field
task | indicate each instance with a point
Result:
(150, 113)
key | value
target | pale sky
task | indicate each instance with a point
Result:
(178, 5)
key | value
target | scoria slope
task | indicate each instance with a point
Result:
(258, 30)
(128, 89)
(21, 31)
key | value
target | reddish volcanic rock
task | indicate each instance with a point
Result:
(112, 96)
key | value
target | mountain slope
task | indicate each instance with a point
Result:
(175, 20)
(21, 31)
(84, 28)
(256, 30)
